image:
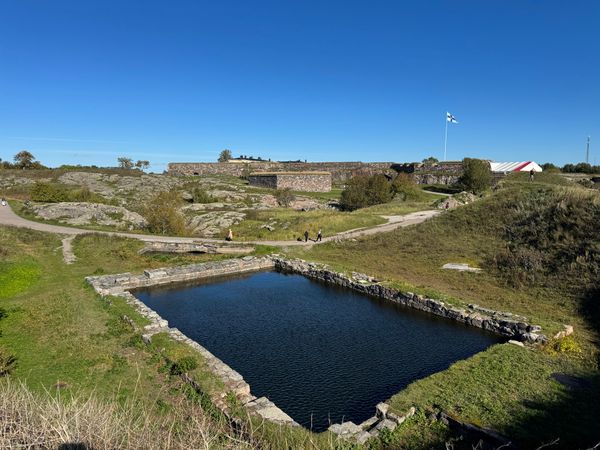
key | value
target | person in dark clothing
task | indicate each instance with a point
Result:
(319, 235)
(306, 236)
(531, 172)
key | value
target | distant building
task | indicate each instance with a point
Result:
(523, 166)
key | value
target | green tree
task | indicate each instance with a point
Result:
(404, 187)
(225, 156)
(430, 160)
(363, 190)
(142, 164)
(477, 176)
(163, 214)
(24, 159)
(125, 163)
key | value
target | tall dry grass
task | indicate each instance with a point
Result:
(30, 420)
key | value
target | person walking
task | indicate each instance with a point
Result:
(229, 236)
(531, 172)
(319, 235)
(306, 236)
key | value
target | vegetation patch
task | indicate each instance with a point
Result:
(16, 277)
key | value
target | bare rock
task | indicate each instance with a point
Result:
(80, 213)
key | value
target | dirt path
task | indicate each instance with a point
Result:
(8, 217)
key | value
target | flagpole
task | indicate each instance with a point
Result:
(446, 135)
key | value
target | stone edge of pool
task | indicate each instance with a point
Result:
(503, 323)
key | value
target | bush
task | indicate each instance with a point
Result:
(163, 215)
(405, 188)
(184, 365)
(363, 191)
(48, 192)
(477, 176)
(284, 197)
(7, 363)
(199, 195)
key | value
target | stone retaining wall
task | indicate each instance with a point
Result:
(300, 181)
(195, 247)
(503, 323)
(119, 285)
(340, 171)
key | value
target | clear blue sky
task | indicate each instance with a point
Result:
(87, 81)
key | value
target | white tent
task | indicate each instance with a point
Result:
(524, 166)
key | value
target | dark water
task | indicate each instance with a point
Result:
(322, 354)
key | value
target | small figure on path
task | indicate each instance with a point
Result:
(3, 202)
(319, 235)
(531, 172)
(229, 236)
(306, 236)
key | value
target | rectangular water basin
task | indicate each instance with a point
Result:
(323, 354)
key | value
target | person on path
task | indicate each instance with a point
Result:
(531, 172)
(3, 202)
(319, 235)
(306, 236)
(229, 236)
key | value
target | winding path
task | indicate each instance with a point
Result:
(8, 217)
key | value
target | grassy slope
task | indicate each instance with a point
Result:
(63, 334)
(505, 387)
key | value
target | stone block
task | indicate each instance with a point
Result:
(381, 410)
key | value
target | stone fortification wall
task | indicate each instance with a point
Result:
(340, 171)
(440, 168)
(297, 181)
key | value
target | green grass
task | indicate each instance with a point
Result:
(17, 277)
(505, 388)
(290, 225)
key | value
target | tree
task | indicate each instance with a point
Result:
(549, 167)
(363, 190)
(142, 164)
(404, 187)
(24, 159)
(225, 156)
(477, 176)
(125, 163)
(430, 160)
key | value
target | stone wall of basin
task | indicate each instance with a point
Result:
(503, 323)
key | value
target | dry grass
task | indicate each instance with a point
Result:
(43, 421)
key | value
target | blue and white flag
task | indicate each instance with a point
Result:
(450, 118)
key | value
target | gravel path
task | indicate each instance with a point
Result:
(8, 217)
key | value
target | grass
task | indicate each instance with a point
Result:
(290, 225)
(17, 277)
(506, 388)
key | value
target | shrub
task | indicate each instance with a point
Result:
(184, 365)
(48, 192)
(284, 197)
(405, 188)
(477, 176)
(7, 362)
(362, 191)
(163, 215)
(199, 195)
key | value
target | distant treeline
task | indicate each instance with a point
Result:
(572, 168)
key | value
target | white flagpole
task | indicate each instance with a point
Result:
(446, 135)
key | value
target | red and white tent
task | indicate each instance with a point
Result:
(524, 166)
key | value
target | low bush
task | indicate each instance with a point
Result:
(284, 197)
(184, 365)
(8, 362)
(362, 191)
(163, 215)
(48, 192)
(199, 195)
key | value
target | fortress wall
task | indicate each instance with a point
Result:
(340, 171)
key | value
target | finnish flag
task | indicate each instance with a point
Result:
(450, 118)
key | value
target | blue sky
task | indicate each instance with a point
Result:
(87, 81)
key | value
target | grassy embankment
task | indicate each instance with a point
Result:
(538, 244)
(78, 357)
